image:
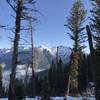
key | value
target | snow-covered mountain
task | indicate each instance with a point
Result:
(43, 57)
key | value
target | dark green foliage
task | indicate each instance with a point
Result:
(32, 86)
(83, 73)
(52, 77)
(75, 24)
(95, 26)
(90, 68)
(97, 75)
(19, 90)
(95, 21)
(60, 77)
(45, 90)
(66, 76)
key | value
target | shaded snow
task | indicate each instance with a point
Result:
(57, 98)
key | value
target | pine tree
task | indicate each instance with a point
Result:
(83, 73)
(52, 77)
(73, 74)
(45, 90)
(60, 77)
(32, 86)
(95, 21)
(19, 89)
(75, 24)
(95, 26)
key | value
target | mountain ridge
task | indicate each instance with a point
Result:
(43, 59)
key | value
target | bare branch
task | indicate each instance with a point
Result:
(13, 7)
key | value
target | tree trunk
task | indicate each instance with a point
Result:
(73, 79)
(26, 79)
(90, 42)
(95, 64)
(97, 74)
(32, 45)
(68, 86)
(90, 39)
(15, 51)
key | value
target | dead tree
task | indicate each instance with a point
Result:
(15, 50)
(22, 13)
(32, 60)
(90, 39)
(95, 63)
(92, 51)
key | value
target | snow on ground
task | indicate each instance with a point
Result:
(70, 98)
(57, 98)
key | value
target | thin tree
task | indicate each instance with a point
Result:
(90, 38)
(21, 9)
(91, 48)
(75, 24)
(15, 49)
(1, 88)
(32, 51)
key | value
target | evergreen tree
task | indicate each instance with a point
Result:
(75, 24)
(83, 73)
(95, 26)
(19, 90)
(73, 74)
(66, 76)
(45, 90)
(52, 77)
(31, 85)
(60, 77)
(97, 74)
(95, 22)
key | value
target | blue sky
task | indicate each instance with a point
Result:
(50, 31)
